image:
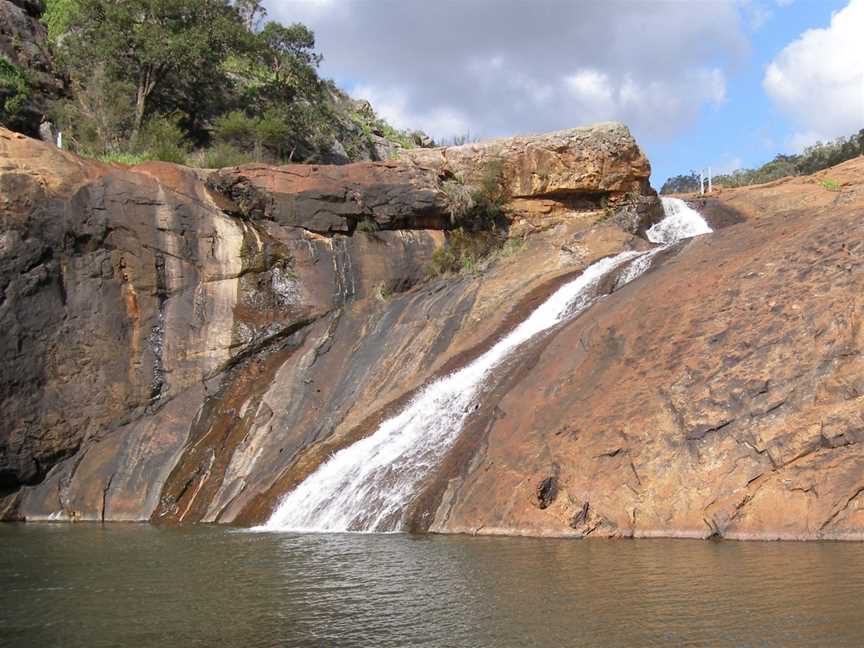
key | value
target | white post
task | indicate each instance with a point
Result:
(710, 184)
(59, 140)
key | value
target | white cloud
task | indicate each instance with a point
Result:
(756, 12)
(502, 67)
(818, 79)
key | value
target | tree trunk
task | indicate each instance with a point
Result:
(145, 86)
(140, 102)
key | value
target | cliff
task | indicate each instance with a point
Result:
(183, 345)
(24, 44)
(718, 395)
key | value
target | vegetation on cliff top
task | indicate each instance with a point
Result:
(13, 91)
(480, 227)
(207, 82)
(814, 158)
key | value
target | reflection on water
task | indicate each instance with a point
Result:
(77, 585)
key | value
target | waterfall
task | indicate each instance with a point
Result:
(368, 485)
(680, 221)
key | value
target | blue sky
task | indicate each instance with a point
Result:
(746, 129)
(726, 83)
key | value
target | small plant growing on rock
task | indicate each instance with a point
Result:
(831, 185)
(464, 251)
(458, 198)
(513, 246)
(383, 292)
(367, 225)
(478, 214)
(14, 91)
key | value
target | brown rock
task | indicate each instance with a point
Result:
(173, 351)
(583, 173)
(717, 395)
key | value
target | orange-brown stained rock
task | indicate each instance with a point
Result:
(546, 177)
(720, 394)
(139, 302)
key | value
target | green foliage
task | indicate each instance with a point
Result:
(58, 17)
(830, 185)
(125, 158)
(236, 129)
(97, 119)
(170, 51)
(269, 136)
(163, 138)
(367, 225)
(14, 92)
(236, 90)
(464, 251)
(402, 138)
(814, 158)
(219, 156)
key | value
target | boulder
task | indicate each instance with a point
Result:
(589, 173)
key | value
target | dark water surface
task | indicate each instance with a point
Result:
(118, 585)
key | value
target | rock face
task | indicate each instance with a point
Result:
(23, 42)
(184, 345)
(335, 199)
(720, 394)
(546, 175)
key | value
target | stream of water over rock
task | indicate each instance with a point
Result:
(368, 485)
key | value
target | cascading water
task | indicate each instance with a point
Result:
(368, 485)
(680, 222)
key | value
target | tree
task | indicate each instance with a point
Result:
(290, 61)
(14, 92)
(153, 43)
(251, 12)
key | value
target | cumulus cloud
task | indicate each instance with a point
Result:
(499, 67)
(818, 80)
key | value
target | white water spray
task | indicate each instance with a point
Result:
(368, 485)
(680, 222)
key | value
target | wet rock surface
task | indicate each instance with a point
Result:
(184, 345)
(718, 395)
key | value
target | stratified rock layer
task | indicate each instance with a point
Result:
(186, 344)
(720, 394)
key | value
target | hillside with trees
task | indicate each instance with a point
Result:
(813, 158)
(203, 82)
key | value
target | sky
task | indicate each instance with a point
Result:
(720, 83)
